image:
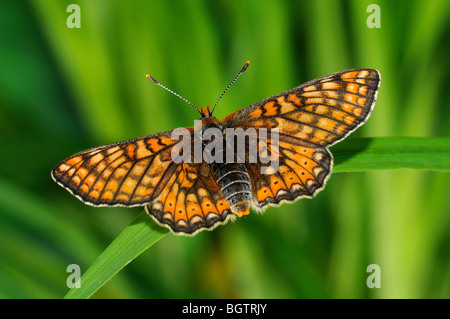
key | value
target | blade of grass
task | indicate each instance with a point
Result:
(136, 238)
(384, 153)
(352, 155)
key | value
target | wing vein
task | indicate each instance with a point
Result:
(142, 176)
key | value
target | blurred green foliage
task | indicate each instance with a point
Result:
(64, 90)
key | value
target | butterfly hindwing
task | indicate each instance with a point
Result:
(302, 172)
(190, 202)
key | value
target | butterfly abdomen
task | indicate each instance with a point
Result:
(234, 183)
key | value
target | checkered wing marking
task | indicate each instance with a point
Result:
(302, 172)
(190, 202)
(320, 112)
(125, 173)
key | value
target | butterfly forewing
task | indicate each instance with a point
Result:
(320, 112)
(125, 173)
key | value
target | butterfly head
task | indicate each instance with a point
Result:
(205, 112)
(208, 126)
(208, 121)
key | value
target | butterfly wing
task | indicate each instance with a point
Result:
(190, 201)
(141, 172)
(320, 112)
(309, 118)
(120, 174)
(302, 172)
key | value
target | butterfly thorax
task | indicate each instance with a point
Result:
(210, 123)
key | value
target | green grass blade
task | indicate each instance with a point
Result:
(360, 154)
(136, 238)
(384, 153)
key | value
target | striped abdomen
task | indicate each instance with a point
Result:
(234, 184)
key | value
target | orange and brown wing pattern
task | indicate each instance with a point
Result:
(320, 112)
(187, 198)
(190, 201)
(302, 172)
(125, 173)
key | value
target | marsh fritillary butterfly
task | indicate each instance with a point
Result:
(190, 197)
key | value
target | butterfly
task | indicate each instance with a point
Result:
(188, 197)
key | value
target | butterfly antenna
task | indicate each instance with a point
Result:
(232, 82)
(176, 94)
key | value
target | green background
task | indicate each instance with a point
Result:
(64, 90)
